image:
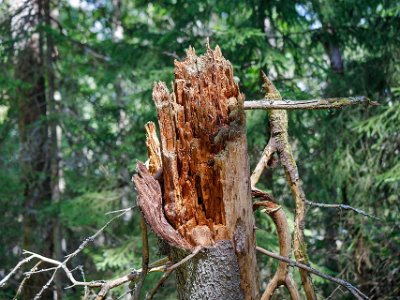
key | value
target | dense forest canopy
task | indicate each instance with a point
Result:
(76, 86)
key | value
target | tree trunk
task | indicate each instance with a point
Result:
(206, 199)
(57, 176)
(34, 159)
(33, 125)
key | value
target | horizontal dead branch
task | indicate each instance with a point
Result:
(328, 103)
(352, 289)
(341, 206)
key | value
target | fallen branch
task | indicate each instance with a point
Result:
(158, 266)
(352, 289)
(328, 103)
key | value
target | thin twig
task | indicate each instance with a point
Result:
(86, 289)
(40, 271)
(338, 288)
(121, 210)
(352, 289)
(91, 238)
(19, 265)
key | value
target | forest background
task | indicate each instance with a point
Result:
(75, 93)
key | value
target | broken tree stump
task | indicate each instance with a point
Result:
(206, 194)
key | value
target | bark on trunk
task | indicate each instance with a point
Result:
(33, 125)
(34, 159)
(212, 274)
(206, 187)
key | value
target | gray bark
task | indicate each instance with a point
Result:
(212, 274)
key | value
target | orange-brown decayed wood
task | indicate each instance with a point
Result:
(207, 194)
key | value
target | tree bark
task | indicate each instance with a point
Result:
(34, 138)
(206, 188)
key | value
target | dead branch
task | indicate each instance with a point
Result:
(154, 290)
(341, 206)
(279, 142)
(121, 210)
(97, 233)
(352, 289)
(62, 265)
(185, 259)
(145, 258)
(263, 162)
(282, 275)
(158, 266)
(27, 276)
(328, 103)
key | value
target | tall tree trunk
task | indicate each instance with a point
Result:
(34, 138)
(57, 185)
(206, 188)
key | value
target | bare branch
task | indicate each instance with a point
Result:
(121, 210)
(278, 120)
(154, 290)
(27, 276)
(19, 265)
(187, 258)
(158, 266)
(145, 258)
(63, 265)
(282, 275)
(341, 206)
(352, 289)
(328, 103)
(91, 238)
(263, 162)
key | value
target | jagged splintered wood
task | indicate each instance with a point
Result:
(206, 193)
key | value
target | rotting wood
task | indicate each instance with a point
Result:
(206, 189)
(153, 149)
